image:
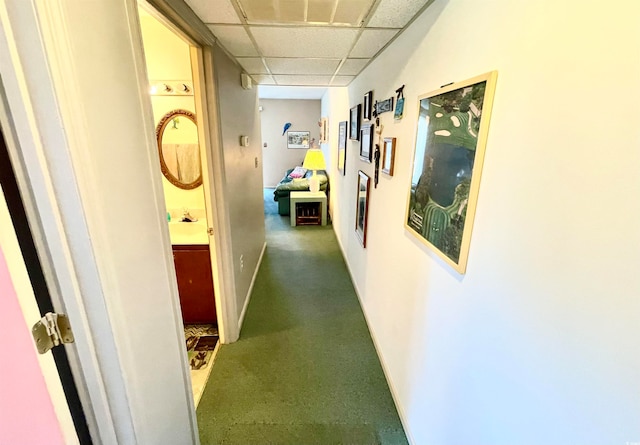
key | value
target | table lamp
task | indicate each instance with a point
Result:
(314, 160)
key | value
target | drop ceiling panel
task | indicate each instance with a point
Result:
(395, 13)
(273, 11)
(262, 79)
(371, 41)
(304, 42)
(320, 11)
(214, 11)
(352, 66)
(342, 81)
(302, 66)
(302, 80)
(352, 12)
(235, 39)
(252, 65)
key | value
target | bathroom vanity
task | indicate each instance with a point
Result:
(195, 283)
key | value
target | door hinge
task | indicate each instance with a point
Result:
(210, 231)
(51, 330)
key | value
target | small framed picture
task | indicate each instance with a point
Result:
(399, 109)
(384, 106)
(368, 98)
(324, 130)
(298, 139)
(366, 142)
(354, 123)
(362, 207)
(342, 147)
(388, 155)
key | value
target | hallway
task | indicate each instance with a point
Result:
(305, 370)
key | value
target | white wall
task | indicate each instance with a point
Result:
(239, 115)
(303, 115)
(538, 343)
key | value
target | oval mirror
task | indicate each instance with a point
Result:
(177, 136)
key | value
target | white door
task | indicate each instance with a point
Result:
(83, 145)
(33, 408)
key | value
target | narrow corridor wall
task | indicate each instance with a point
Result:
(538, 343)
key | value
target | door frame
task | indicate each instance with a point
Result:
(30, 69)
(182, 21)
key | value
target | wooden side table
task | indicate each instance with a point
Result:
(297, 199)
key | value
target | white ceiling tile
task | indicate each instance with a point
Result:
(302, 80)
(283, 92)
(352, 66)
(290, 65)
(304, 42)
(395, 13)
(235, 39)
(371, 41)
(214, 11)
(320, 11)
(273, 11)
(342, 81)
(352, 12)
(252, 65)
(261, 79)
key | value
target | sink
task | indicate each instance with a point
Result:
(188, 232)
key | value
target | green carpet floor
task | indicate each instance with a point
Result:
(305, 370)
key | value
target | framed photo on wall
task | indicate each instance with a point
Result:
(368, 105)
(342, 147)
(324, 130)
(388, 155)
(366, 142)
(362, 207)
(298, 139)
(451, 135)
(354, 123)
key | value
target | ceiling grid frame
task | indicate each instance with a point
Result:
(270, 45)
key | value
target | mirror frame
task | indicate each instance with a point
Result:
(163, 166)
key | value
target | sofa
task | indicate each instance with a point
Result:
(290, 184)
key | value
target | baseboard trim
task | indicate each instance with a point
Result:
(250, 291)
(385, 369)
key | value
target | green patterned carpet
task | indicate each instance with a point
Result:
(305, 370)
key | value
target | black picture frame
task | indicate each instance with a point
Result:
(366, 142)
(384, 106)
(368, 105)
(342, 147)
(354, 123)
(362, 207)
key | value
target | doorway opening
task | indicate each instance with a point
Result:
(172, 75)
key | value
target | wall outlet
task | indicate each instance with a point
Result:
(241, 263)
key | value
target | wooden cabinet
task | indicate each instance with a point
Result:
(195, 283)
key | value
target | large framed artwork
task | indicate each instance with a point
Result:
(451, 135)
(298, 139)
(362, 207)
(354, 123)
(342, 147)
